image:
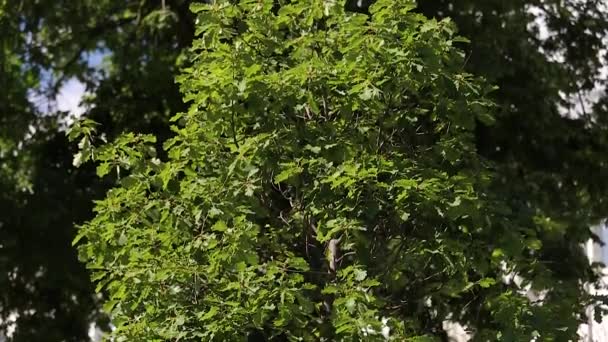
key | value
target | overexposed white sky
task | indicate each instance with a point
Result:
(70, 96)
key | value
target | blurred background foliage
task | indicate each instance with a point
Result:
(550, 139)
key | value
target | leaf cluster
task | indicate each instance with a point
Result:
(324, 185)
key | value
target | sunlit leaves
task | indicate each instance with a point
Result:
(324, 185)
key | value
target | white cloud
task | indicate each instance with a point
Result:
(70, 97)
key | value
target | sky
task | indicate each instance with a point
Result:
(70, 95)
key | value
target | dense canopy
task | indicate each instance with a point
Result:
(534, 163)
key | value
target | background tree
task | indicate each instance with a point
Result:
(330, 181)
(45, 43)
(549, 139)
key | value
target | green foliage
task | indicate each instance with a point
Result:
(323, 185)
(47, 294)
(548, 151)
(549, 170)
